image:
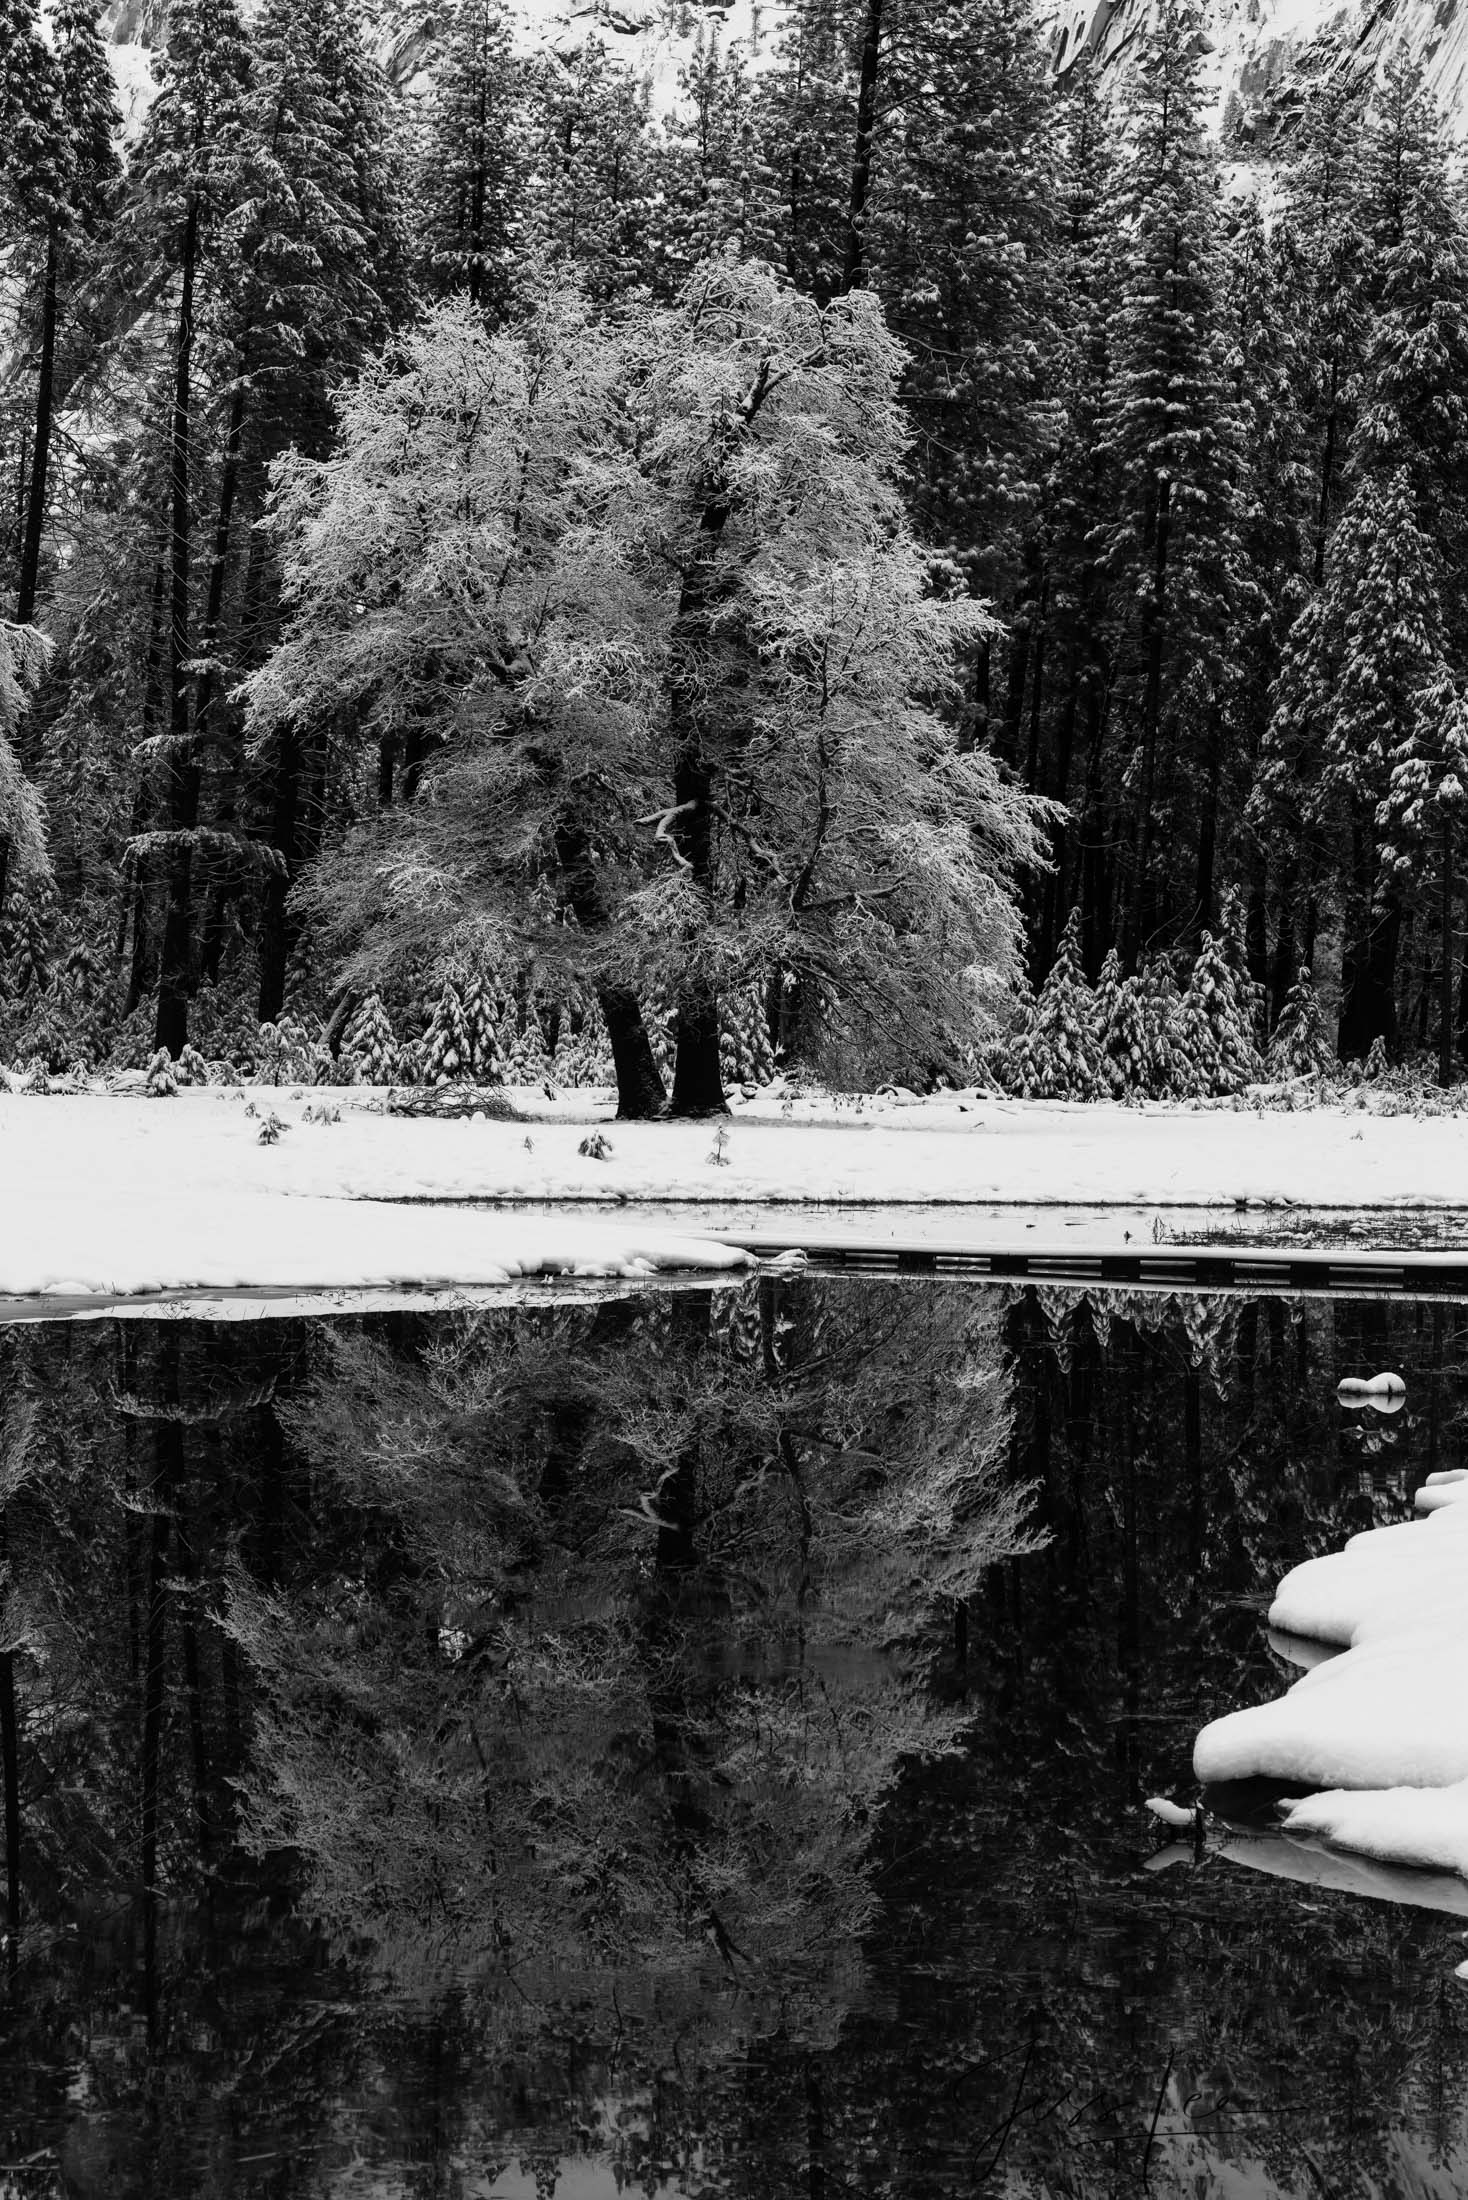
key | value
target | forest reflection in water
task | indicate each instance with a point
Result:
(691, 1744)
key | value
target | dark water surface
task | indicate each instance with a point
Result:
(630, 1748)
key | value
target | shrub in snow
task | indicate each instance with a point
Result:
(1376, 1064)
(162, 1080)
(1302, 1045)
(369, 1044)
(284, 1052)
(191, 1067)
(584, 1056)
(596, 1146)
(1056, 1057)
(526, 1057)
(445, 1050)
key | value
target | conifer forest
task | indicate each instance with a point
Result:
(896, 561)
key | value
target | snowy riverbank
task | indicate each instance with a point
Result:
(124, 1194)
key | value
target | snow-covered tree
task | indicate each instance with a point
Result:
(469, 160)
(370, 1044)
(23, 658)
(1057, 1057)
(1130, 1057)
(1170, 437)
(1215, 1025)
(485, 1058)
(446, 1052)
(1301, 1044)
(720, 748)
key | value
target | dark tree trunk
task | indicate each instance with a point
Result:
(1155, 633)
(852, 270)
(973, 731)
(35, 510)
(172, 1027)
(1369, 1011)
(698, 1080)
(221, 884)
(285, 811)
(1327, 477)
(640, 1093)
(1445, 933)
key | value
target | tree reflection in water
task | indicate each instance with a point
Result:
(628, 1733)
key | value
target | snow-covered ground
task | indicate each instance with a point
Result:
(108, 1194)
(1376, 1737)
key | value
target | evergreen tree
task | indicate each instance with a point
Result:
(370, 1045)
(1215, 1045)
(1129, 1059)
(23, 655)
(1171, 438)
(185, 180)
(446, 1051)
(590, 183)
(1057, 1057)
(1301, 1044)
(469, 161)
(485, 1058)
(707, 168)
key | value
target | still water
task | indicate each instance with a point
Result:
(694, 1744)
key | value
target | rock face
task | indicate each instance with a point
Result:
(1259, 53)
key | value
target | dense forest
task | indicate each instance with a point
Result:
(506, 569)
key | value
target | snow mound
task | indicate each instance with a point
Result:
(1379, 1734)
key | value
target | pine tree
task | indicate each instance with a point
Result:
(33, 207)
(1301, 1045)
(469, 161)
(1171, 436)
(23, 658)
(1215, 1034)
(186, 179)
(960, 247)
(370, 1045)
(708, 166)
(485, 1057)
(1057, 1057)
(590, 184)
(805, 119)
(446, 1051)
(745, 1052)
(1130, 1059)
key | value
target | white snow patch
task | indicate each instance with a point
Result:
(1379, 1733)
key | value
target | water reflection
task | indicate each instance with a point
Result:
(634, 1746)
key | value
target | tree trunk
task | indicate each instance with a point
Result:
(1369, 1011)
(1445, 930)
(35, 510)
(852, 271)
(640, 1093)
(698, 1080)
(274, 939)
(1144, 886)
(172, 1027)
